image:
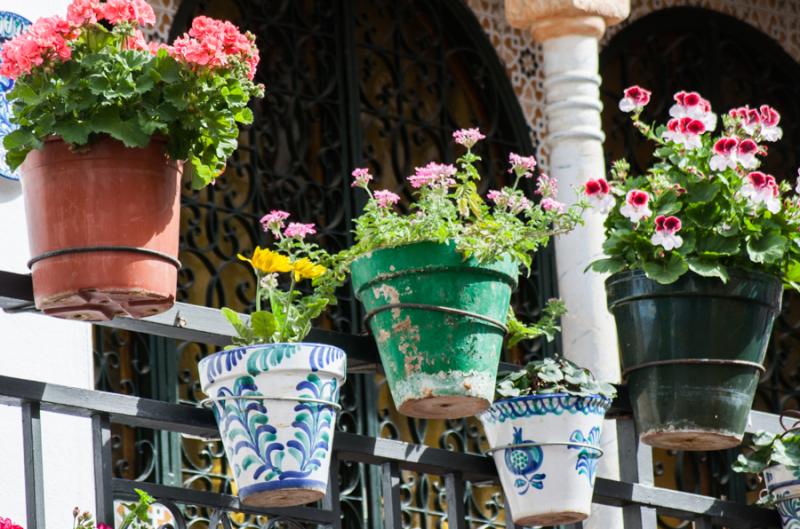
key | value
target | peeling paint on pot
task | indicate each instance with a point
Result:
(276, 430)
(438, 364)
(543, 450)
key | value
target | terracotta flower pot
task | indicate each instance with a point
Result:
(103, 225)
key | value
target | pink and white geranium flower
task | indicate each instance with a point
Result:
(434, 175)
(522, 166)
(551, 204)
(797, 183)
(636, 205)
(692, 105)
(761, 189)
(685, 131)
(273, 221)
(299, 230)
(513, 202)
(665, 235)
(724, 154)
(386, 199)
(770, 118)
(635, 99)
(468, 137)
(598, 193)
(746, 153)
(361, 177)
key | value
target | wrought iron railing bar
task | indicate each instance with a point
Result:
(390, 485)
(103, 464)
(454, 488)
(124, 489)
(32, 460)
(507, 513)
(331, 502)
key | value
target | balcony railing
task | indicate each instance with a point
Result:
(635, 493)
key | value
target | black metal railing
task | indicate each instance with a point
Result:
(634, 492)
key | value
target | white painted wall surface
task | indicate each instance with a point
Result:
(45, 349)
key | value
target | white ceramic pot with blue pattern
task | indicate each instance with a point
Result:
(784, 485)
(546, 449)
(270, 402)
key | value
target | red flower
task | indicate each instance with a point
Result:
(6, 523)
(725, 146)
(138, 11)
(747, 146)
(635, 98)
(595, 187)
(638, 198)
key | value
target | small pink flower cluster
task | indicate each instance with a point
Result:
(763, 121)
(274, 221)
(385, 198)
(468, 137)
(546, 186)
(522, 166)
(514, 203)
(137, 12)
(44, 41)
(361, 177)
(216, 44)
(434, 175)
(6, 523)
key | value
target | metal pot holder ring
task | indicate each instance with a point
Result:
(695, 362)
(434, 308)
(597, 451)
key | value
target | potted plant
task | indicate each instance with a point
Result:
(275, 396)
(778, 458)
(105, 120)
(544, 434)
(700, 247)
(436, 282)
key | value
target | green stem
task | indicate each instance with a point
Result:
(258, 291)
(288, 309)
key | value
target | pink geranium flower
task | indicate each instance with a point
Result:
(361, 177)
(746, 153)
(299, 230)
(685, 131)
(635, 207)
(216, 44)
(761, 189)
(80, 12)
(546, 186)
(511, 201)
(770, 118)
(724, 154)
(386, 199)
(468, 137)
(434, 175)
(599, 194)
(550, 204)
(665, 235)
(44, 41)
(635, 99)
(136, 11)
(692, 105)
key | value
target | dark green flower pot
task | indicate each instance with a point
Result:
(438, 322)
(692, 353)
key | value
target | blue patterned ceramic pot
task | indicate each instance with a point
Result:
(544, 450)
(272, 406)
(784, 484)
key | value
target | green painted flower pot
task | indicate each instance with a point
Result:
(439, 323)
(692, 353)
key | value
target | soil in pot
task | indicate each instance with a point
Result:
(546, 449)
(692, 353)
(276, 407)
(103, 224)
(439, 323)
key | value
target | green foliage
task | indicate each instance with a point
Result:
(547, 325)
(132, 96)
(768, 449)
(136, 516)
(552, 375)
(722, 229)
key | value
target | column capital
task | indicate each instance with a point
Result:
(549, 19)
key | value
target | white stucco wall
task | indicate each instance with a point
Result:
(45, 349)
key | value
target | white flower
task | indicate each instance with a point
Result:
(762, 190)
(635, 207)
(665, 235)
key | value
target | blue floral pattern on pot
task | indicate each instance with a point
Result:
(789, 510)
(270, 404)
(11, 25)
(525, 461)
(588, 459)
(556, 404)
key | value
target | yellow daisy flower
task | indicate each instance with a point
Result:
(305, 269)
(268, 261)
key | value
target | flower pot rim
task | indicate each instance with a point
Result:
(732, 272)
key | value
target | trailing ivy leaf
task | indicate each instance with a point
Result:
(667, 270)
(767, 249)
(708, 268)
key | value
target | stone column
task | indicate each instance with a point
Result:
(569, 31)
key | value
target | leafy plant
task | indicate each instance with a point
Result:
(768, 449)
(703, 206)
(136, 517)
(552, 375)
(291, 310)
(93, 74)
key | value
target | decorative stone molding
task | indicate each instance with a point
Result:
(548, 19)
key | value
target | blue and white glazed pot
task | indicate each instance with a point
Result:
(784, 485)
(276, 407)
(546, 449)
